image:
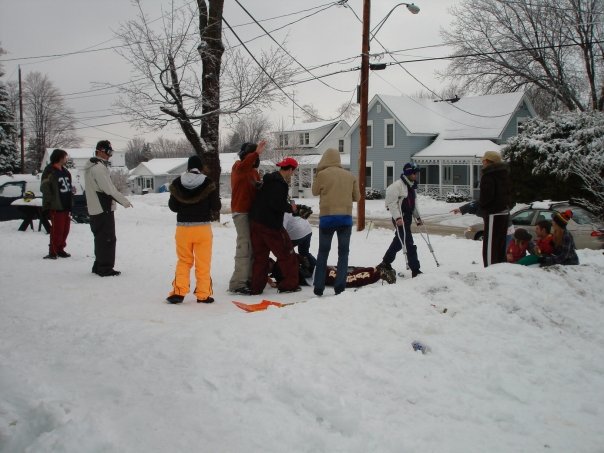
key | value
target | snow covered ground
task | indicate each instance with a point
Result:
(90, 364)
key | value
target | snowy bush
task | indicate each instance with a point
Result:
(560, 157)
(456, 197)
(373, 194)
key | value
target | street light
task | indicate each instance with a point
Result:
(412, 8)
(365, 100)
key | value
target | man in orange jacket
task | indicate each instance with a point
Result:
(244, 182)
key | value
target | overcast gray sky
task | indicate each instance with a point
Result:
(32, 28)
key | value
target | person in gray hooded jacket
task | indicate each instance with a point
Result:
(101, 195)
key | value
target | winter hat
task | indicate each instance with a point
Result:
(410, 169)
(105, 145)
(246, 148)
(288, 162)
(562, 218)
(522, 235)
(195, 163)
(492, 156)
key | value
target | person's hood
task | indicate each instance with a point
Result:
(191, 188)
(191, 180)
(93, 161)
(330, 158)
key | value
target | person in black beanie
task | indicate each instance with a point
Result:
(193, 196)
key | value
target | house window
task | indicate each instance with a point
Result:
(304, 138)
(370, 134)
(388, 173)
(341, 146)
(389, 133)
(368, 175)
(283, 140)
(520, 123)
(378, 108)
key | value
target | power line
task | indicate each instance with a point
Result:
(285, 50)
(267, 74)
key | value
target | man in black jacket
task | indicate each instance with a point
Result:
(493, 206)
(268, 234)
(193, 196)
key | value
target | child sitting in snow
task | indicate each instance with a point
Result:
(564, 244)
(518, 246)
(542, 246)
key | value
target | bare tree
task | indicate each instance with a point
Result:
(310, 114)
(135, 152)
(251, 127)
(48, 122)
(348, 111)
(172, 89)
(554, 48)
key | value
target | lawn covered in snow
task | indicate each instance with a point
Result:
(92, 364)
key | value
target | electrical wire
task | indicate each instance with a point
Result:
(285, 50)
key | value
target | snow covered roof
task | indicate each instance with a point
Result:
(161, 166)
(307, 126)
(311, 160)
(442, 148)
(472, 117)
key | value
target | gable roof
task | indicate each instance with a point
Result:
(472, 117)
(302, 127)
(158, 167)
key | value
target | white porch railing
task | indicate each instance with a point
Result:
(440, 191)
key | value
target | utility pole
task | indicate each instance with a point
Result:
(22, 132)
(363, 115)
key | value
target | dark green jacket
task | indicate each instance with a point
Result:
(52, 198)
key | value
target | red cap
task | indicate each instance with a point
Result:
(288, 162)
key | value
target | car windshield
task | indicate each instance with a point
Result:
(523, 217)
(582, 217)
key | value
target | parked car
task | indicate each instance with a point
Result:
(586, 228)
(13, 188)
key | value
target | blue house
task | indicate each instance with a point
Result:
(446, 139)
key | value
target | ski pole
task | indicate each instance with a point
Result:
(428, 242)
(369, 226)
(402, 241)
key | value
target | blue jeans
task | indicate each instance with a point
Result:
(303, 245)
(325, 237)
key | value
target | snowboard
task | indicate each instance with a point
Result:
(260, 306)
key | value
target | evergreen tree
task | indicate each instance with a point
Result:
(560, 158)
(9, 155)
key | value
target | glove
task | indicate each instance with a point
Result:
(304, 211)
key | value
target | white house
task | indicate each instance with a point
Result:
(306, 142)
(79, 157)
(151, 176)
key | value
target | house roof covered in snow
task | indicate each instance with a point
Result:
(301, 127)
(471, 117)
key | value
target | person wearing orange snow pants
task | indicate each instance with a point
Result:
(194, 197)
